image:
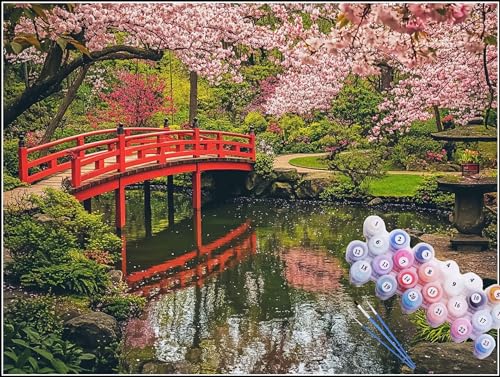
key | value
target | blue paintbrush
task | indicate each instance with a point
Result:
(374, 336)
(391, 334)
(391, 342)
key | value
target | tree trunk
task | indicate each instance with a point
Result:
(438, 118)
(193, 96)
(386, 77)
(68, 99)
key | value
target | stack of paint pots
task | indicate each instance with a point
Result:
(423, 281)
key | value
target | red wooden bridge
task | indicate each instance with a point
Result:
(101, 161)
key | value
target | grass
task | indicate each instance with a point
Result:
(311, 162)
(395, 185)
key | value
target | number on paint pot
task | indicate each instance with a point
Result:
(482, 320)
(400, 239)
(363, 267)
(384, 265)
(426, 254)
(485, 343)
(476, 298)
(462, 330)
(358, 251)
(497, 294)
(403, 261)
(429, 271)
(457, 305)
(438, 311)
(407, 279)
(412, 296)
(432, 292)
(387, 287)
(378, 242)
(448, 265)
(453, 283)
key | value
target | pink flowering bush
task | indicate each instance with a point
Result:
(431, 156)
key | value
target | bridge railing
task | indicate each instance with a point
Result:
(126, 148)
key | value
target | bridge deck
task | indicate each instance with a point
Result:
(56, 180)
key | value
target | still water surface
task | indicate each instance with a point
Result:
(255, 286)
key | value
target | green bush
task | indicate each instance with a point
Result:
(264, 164)
(79, 277)
(256, 120)
(428, 193)
(27, 351)
(38, 313)
(342, 188)
(410, 151)
(10, 182)
(121, 306)
(10, 157)
(490, 232)
(272, 139)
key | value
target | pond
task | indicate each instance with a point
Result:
(254, 286)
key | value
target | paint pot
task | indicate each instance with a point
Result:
(428, 272)
(449, 267)
(386, 287)
(360, 272)
(423, 252)
(477, 300)
(378, 244)
(472, 282)
(407, 279)
(432, 292)
(493, 293)
(411, 300)
(382, 264)
(460, 330)
(481, 321)
(402, 259)
(453, 285)
(399, 239)
(373, 225)
(484, 346)
(436, 314)
(457, 306)
(356, 250)
(495, 316)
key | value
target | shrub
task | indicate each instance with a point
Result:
(10, 157)
(256, 120)
(27, 351)
(120, 306)
(428, 193)
(37, 312)
(79, 277)
(412, 150)
(99, 256)
(272, 139)
(10, 182)
(491, 232)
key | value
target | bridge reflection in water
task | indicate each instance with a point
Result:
(185, 266)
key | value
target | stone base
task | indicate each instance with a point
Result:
(469, 242)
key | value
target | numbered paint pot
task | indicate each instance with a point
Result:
(495, 316)
(432, 292)
(373, 225)
(423, 252)
(477, 300)
(428, 272)
(386, 287)
(481, 321)
(484, 346)
(436, 314)
(411, 300)
(493, 294)
(402, 259)
(382, 264)
(449, 267)
(360, 272)
(407, 279)
(399, 239)
(453, 285)
(356, 250)
(460, 330)
(472, 282)
(457, 306)
(378, 244)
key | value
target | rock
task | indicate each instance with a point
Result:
(375, 201)
(257, 184)
(43, 218)
(444, 358)
(92, 329)
(158, 367)
(252, 180)
(116, 276)
(282, 190)
(311, 188)
(288, 175)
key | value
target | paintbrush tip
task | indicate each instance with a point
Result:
(356, 303)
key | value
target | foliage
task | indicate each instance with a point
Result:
(358, 165)
(425, 332)
(272, 139)
(10, 182)
(428, 193)
(256, 120)
(469, 156)
(121, 306)
(27, 351)
(342, 188)
(411, 151)
(10, 157)
(99, 256)
(79, 277)
(39, 313)
(264, 164)
(490, 232)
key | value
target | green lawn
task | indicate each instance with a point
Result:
(312, 162)
(395, 185)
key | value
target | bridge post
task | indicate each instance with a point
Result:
(147, 208)
(87, 204)
(196, 138)
(197, 189)
(166, 126)
(120, 158)
(120, 208)
(170, 199)
(252, 142)
(23, 159)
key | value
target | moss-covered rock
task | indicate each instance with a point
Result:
(311, 187)
(288, 175)
(282, 190)
(92, 330)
